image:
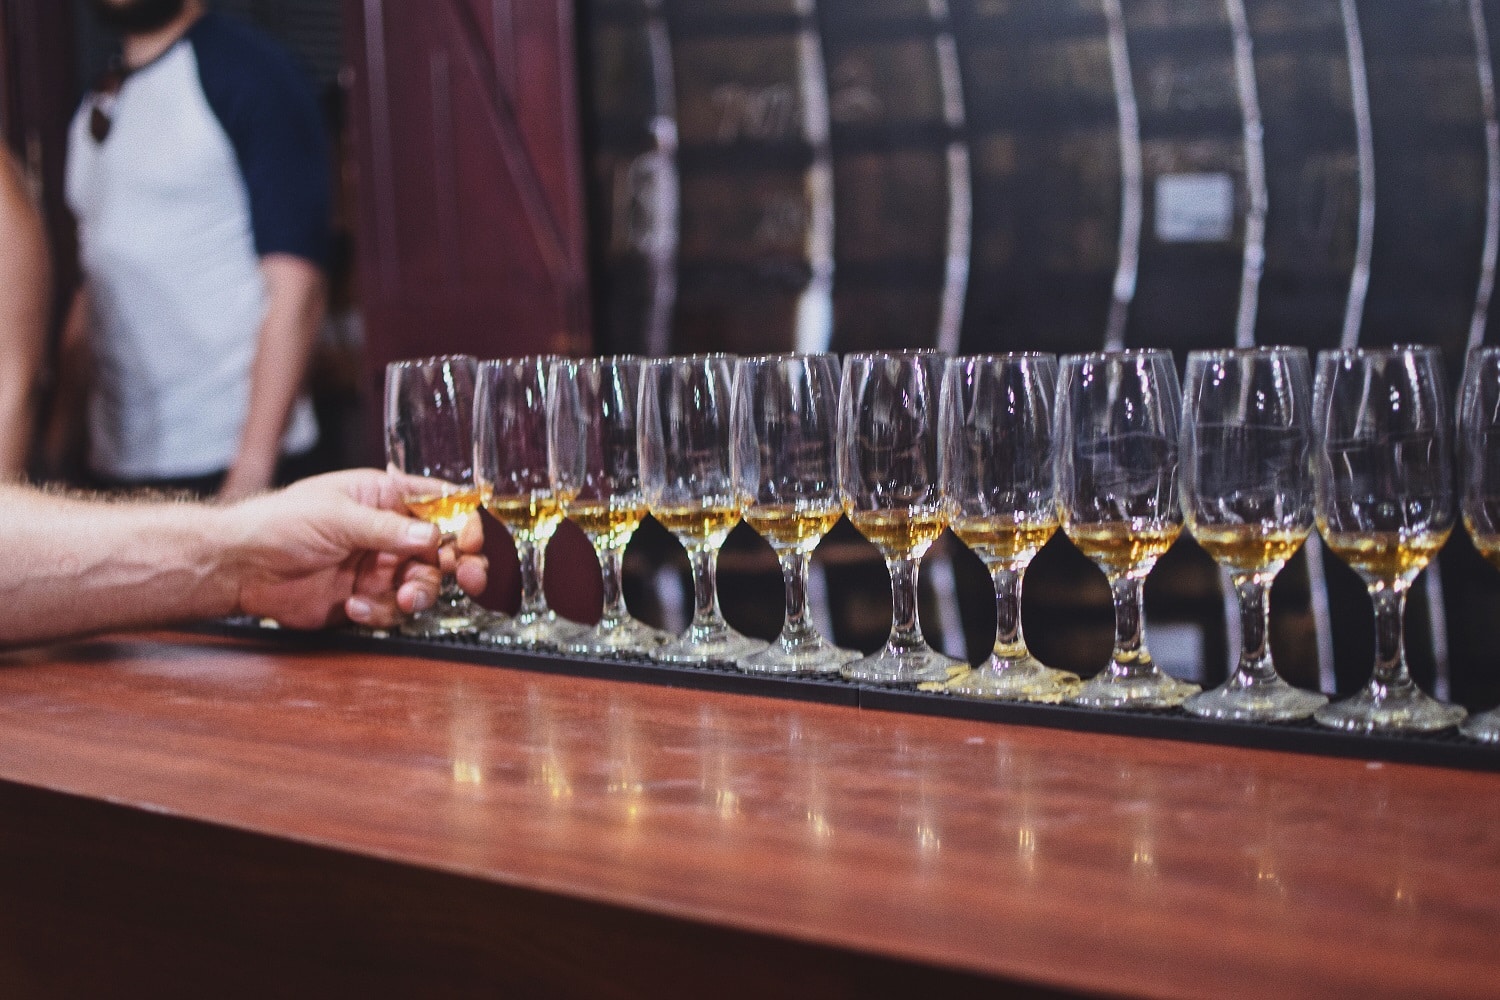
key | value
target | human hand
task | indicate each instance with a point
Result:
(335, 547)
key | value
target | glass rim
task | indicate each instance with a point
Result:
(1006, 356)
(669, 359)
(1124, 354)
(1389, 351)
(522, 359)
(898, 353)
(603, 359)
(430, 360)
(1255, 350)
(786, 356)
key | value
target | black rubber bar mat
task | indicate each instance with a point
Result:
(1448, 748)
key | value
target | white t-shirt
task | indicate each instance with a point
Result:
(214, 157)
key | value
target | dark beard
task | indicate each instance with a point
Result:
(136, 17)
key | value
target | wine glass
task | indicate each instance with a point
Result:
(784, 428)
(888, 476)
(997, 476)
(1248, 497)
(1384, 501)
(591, 421)
(510, 463)
(1117, 419)
(429, 430)
(684, 442)
(1479, 437)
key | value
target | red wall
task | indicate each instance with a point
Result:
(470, 228)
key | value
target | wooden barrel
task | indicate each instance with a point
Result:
(900, 174)
(1302, 76)
(1154, 172)
(1428, 125)
(1192, 172)
(1381, 146)
(755, 251)
(633, 186)
(1045, 146)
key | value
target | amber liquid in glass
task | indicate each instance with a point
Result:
(1245, 548)
(536, 514)
(708, 521)
(607, 523)
(1119, 547)
(1487, 545)
(1386, 555)
(1004, 539)
(790, 527)
(446, 510)
(901, 532)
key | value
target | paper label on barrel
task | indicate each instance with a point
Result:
(1194, 208)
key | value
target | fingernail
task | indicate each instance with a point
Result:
(358, 608)
(421, 534)
(421, 602)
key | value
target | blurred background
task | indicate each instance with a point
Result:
(665, 176)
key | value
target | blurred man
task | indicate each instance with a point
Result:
(198, 174)
(25, 288)
(327, 550)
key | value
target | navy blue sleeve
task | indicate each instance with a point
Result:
(267, 108)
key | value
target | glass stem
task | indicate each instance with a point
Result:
(533, 599)
(797, 629)
(1390, 675)
(704, 560)
(906, 625)
(1131, 658)
(450, 594)
(615, 611)
(1010, 644)
(1255, 665)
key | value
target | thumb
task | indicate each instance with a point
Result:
(374, 530)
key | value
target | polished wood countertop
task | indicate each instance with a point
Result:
(1066, 861)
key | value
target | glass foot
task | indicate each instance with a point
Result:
(1015, 679)
(1133, 687)
(1484, 727)
(713, 643)
(1263, 701)
(1405, 708)
(622, 636)
(805, 656)
(448, 617)
(484, 619)
(918, 665)
(544, 630)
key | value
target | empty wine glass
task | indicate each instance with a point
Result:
(1248, 496)
(1117, 418)
(1479, 436)
(684, 441)
(1384, 473)
(997, 476)
(429, 430)
(510, 462)
(784, 429)
(889, 478)
(591, 430)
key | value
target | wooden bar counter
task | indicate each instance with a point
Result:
(188, 816)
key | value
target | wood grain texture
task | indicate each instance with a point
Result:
(1065, 861)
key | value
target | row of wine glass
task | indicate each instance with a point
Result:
(1003, 449)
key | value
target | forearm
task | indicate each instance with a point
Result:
(79, 567)
(293, 314)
